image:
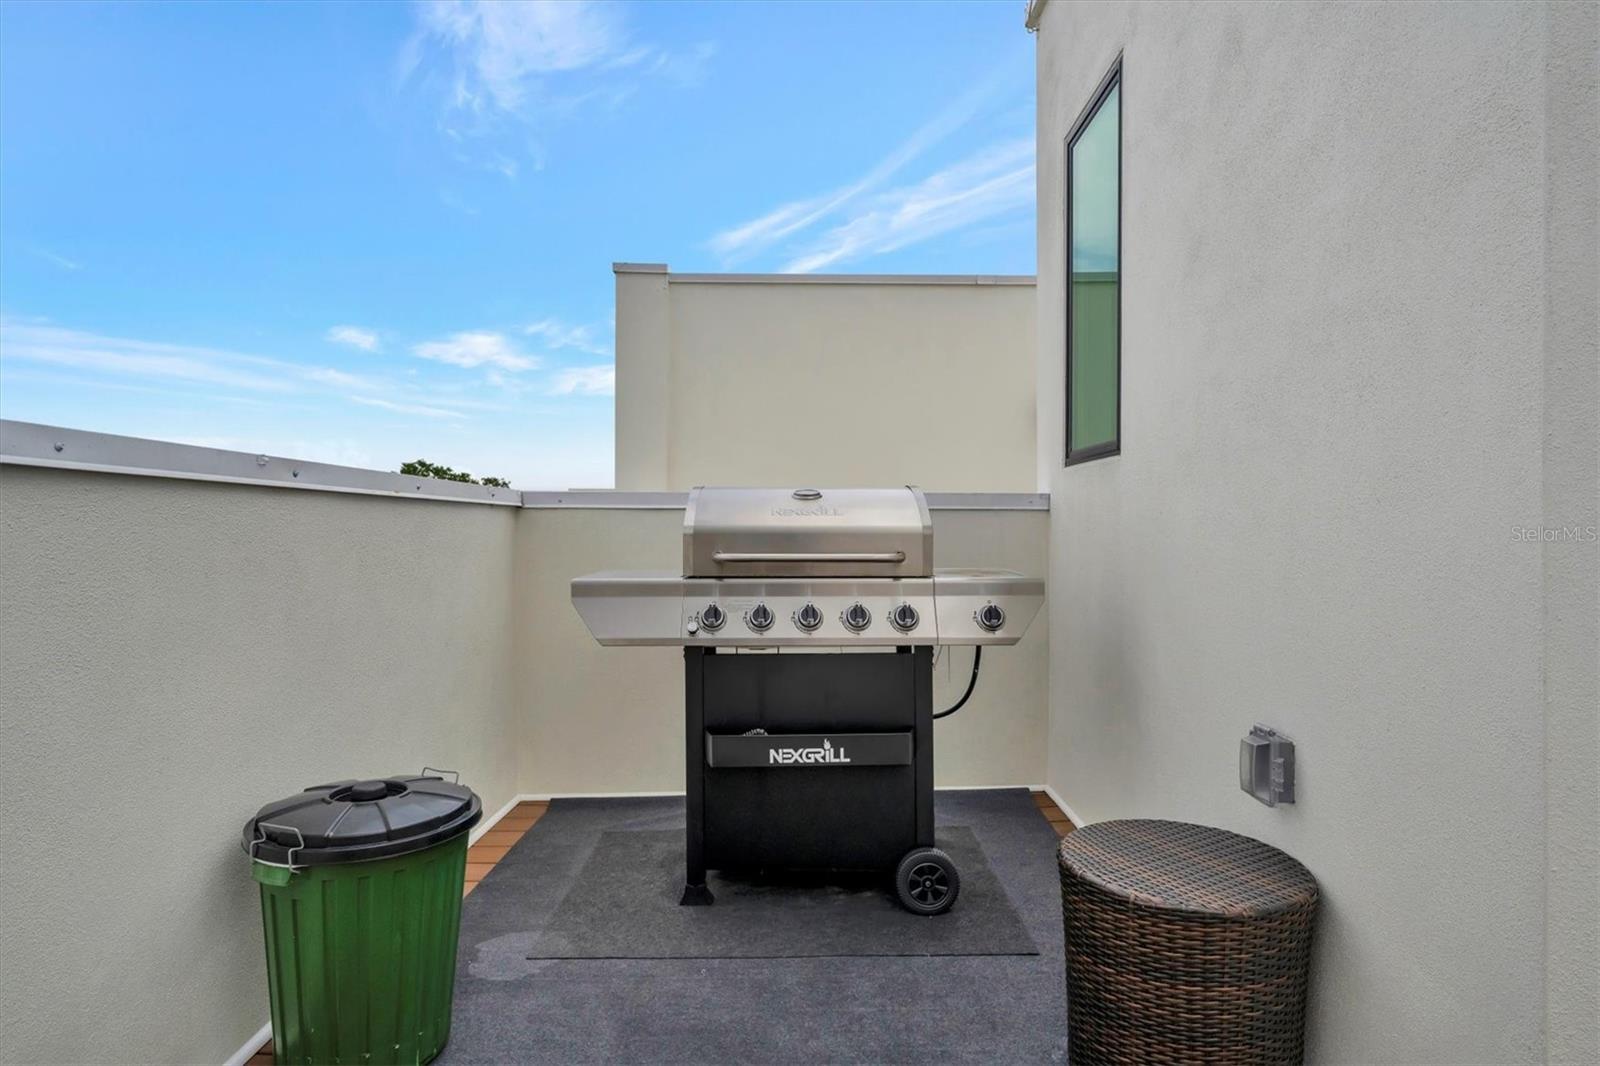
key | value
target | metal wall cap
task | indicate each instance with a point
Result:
(351, 821)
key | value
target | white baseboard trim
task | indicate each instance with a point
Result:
(1071, 814)
(488, 823)
(544, 797)
(250, 1047)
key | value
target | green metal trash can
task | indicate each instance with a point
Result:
(361, 886)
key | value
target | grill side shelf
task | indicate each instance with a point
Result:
(807, 750)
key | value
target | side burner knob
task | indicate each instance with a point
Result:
(904, 618)
(760, 618)
(857, 617)
(808, 617)
(711, 617)
(991, 616)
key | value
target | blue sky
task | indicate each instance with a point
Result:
(365, 233)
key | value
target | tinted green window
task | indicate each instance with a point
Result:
(1094, 203)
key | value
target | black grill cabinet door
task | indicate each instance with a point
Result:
(826, 815)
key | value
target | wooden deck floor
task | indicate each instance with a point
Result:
(494, 844)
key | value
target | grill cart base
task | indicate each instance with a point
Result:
(813, 761)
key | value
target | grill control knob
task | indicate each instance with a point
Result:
(808, 617)
(760, 618)
(711, 617)
(857, 617)
(991, 616)
(904, 618)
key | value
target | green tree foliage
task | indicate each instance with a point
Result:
(423, 468)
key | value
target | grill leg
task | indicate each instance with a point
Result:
(695, 892)
(923, 672)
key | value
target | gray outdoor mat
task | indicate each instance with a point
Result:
(759, 1012)
(624, 905)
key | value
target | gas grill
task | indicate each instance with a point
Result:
(799, 755)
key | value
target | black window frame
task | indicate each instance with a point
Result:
(1111, 80)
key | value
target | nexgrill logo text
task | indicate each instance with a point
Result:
(825, 754)
(816, 511)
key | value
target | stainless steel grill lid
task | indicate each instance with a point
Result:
(807, 532)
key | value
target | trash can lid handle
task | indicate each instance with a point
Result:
(261, 838)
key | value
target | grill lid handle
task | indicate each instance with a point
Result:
(808, 557)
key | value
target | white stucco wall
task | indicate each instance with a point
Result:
(1350, 370)
(833, 380)
(611, 719)
(1571, 485)
(173, 654)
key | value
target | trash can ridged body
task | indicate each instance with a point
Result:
(1184, 944)
(361, 953)
(389, 994)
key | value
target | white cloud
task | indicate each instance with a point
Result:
(508, 384)
(134, 358)
(501, 48)
(11, 373)
(558, 334)
(585, 381)
(534, 61)
(406, 408)
(456, 203)
(778, 223)
(504, 165)
(633, 57)
(57, 259)
(172, 365)
(989, 183)
(747, 239)
(686, 68)
(354, 337)
(476, 348)
(340, 380)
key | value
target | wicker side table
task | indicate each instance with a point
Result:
(1183, 944)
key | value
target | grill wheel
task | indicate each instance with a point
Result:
(927, 882)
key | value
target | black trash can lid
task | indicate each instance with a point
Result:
(351, 821)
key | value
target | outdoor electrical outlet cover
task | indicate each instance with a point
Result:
(1266, 766)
